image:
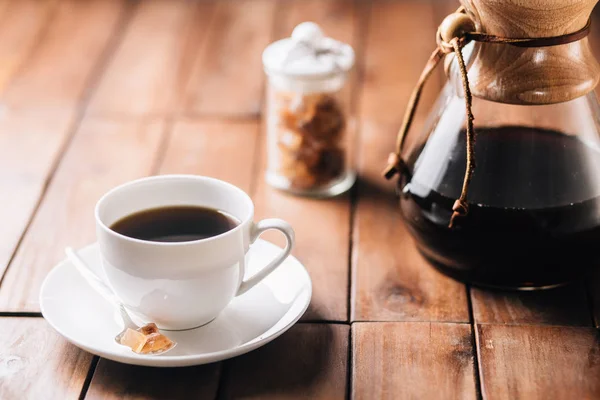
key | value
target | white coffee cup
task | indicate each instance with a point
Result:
(181, 285)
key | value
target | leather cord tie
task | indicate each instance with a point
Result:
(453, 34)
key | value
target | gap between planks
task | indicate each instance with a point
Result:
(27, 314)
(361, 40)
(88, 379)
(474, 344)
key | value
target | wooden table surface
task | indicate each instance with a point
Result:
(95, 93)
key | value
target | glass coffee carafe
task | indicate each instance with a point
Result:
(533, 217)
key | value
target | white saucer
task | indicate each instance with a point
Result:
(251, 320)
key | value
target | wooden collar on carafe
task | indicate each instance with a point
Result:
(452, 35)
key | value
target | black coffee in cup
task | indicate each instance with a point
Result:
(175, 224)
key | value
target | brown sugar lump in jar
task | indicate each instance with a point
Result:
(309, 140)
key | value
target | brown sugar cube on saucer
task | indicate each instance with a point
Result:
(134, 340)
(156, 342)
(149, 329)
(146, 340)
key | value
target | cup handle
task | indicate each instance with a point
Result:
(257, 230)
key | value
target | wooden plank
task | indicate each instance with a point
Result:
(217, 148)
(391, 70)
(118, 381)
(103, 154)
(149, 70)
(30, 143)
(535, 362)
(322, 229)
(33, 35)
(21, 24)
(308, 362)
(339, 19)
(228, 77)
(36, 363)
(57, 71)
(4, 5)
(322, 246)
(412, 360)
(563, 306)
(391, 281)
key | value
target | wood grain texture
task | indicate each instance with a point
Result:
(217, 148)
(173, 54)
(227, 77)
(390, 280)
(412, 360)
(103, 154)
(562, 306)
(30, 144)
(21, 25)
(321, 246)
(57, 71)
(36, 363)
(535, 362)
(322, 229)
(308, 362)
(149, 70)
(339, 19)
(4, 5)
(541, 75)
(118, 381)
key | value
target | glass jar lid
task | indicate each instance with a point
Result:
(308, 54)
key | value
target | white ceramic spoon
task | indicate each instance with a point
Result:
(105, 291)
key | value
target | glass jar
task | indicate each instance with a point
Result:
(308, 124)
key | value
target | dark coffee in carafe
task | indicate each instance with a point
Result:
(533, 221)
